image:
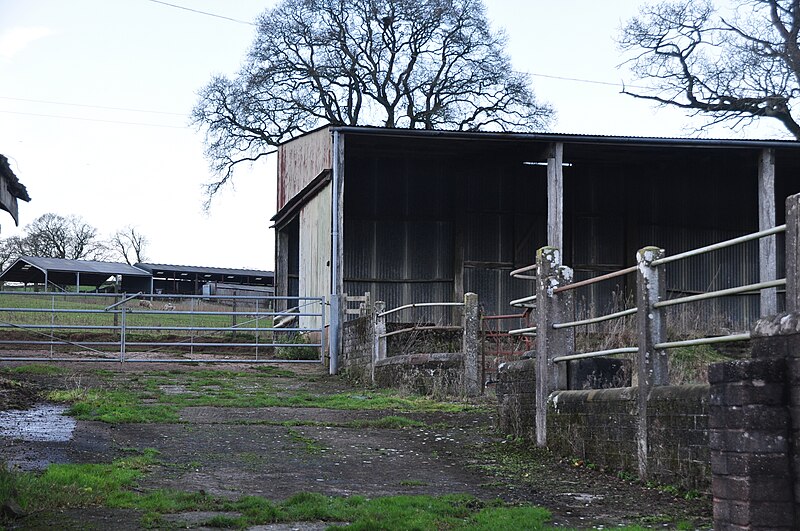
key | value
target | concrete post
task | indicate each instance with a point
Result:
(378, 342)
(551, 308)
(651, 364)
(471, 326)
(792, 250)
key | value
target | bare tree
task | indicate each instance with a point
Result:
(737, 67)
(54, 236)
(432, 64)
(129, 244)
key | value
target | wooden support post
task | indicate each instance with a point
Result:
(378, 342)
(551, 308)
(472, 325)
(555, 196)
(651, 365)
(792, 250)
(767, 258)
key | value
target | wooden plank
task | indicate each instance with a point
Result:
(768, 261)
(555, 196)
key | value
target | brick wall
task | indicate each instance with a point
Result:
(600, 425)
(750, 444)
(357, 340)
(516, 398)
(677, 436)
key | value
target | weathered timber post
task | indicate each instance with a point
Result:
(651, 364)
(378, 341)
(551, 308)
(471, 325)
(767, 252)
(792, 256)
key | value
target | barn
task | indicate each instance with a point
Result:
(145, 277)
(414, 215)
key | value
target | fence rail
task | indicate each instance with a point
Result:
(66, 326)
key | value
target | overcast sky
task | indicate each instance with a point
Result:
(95, 97)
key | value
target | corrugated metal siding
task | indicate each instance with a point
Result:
(300, 160)
(315, 249)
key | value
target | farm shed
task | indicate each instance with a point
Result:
(11, 190)
(189, 280)
(76, 273)
(413, 215)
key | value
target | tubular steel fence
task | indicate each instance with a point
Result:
(63, 326)
(555, 315)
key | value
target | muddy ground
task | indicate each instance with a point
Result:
(253, 451)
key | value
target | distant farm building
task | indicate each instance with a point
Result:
(192, 279)
(74, 275)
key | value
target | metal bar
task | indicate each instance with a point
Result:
(600, 319)
(414, 328)
(720, 245)
(597, 354)
(703, 341)
(207, 360)
(522, 331)
(502, 317)
(525, 269)
(123, 301)
(159, 360)
(523, 300)
(721, 293)
(419, 305)
(593, 280)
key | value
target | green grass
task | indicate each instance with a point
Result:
(38, 369)
(142, 397)
(309, 445)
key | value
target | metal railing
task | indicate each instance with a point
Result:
(654, 267)
(67, 326)
(415, 328)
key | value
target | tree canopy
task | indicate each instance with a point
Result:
(735, 66)
(429, 64)
(56, 236)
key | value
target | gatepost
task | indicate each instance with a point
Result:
(652, 367)
(471, 353)
(551, 308)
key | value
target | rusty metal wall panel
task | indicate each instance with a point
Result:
(300, 160)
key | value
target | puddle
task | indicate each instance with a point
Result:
(43, 423)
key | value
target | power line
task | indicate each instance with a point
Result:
(91, 106)
(592, 81)
(203, 12)
(93, 119)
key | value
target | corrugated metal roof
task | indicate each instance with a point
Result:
(566, 137)
(82, 266)
(154, 268)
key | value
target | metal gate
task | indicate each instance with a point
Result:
(65, 326)
(498, 345)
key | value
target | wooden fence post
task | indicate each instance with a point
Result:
(551, 308)
(792, 249)
(652, 367)
(378, 342)
(471, 327)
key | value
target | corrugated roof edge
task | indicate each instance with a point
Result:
(200, 269)
(564, 137)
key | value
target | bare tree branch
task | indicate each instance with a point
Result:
(433, 64)
(735, 69)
